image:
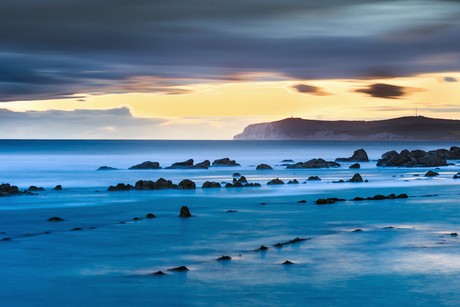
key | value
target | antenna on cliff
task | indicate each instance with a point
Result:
(416, 111)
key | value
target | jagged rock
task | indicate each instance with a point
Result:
(242, 179)
(184, 212)
(275, 181)
(106, 168)
(314, 163)
(224, 162)
(179, 269)
(209, 184)
(314, 178)
(186, 184)
(452, 153)
(120, 187)
(263, 166)
(413, 158)
(158, 273)
(55, 219)
(293, 181)
(147, 165)
(236, 175)
(356, 165)
(223, 258)
(288, 262)
(57, 188)
(150, 216)
(33, 188)
(261, 248)
(431, 174)
(356, 178)
(359, 155)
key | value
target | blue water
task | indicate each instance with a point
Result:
(414, 264)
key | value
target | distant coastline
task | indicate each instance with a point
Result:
(411, 128)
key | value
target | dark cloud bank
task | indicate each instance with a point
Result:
(55, 48)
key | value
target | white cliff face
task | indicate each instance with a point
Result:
(261, 132)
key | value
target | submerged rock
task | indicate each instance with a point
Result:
(55, 219)
(229, 211)
(78, 228)
(146, 165)
(290, 160)
(210, 184)
(184, 212)
(106, 168)
(301, 201)
(225, 162)
(356, 178)
(356, 165)
(314, 163)
(357, 230)
(263, 166)
(359, 155)
(236, 175)
(275, 181)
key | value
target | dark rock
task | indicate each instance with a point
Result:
(391, 196)
(357, 230)
(209, 184)
(301, 201)
(223, 258)
(314, 178)
(33, 188)
(184, 212)
(255, 184)
(261, 248)
(224, 162)
(314, 163)
(288, 262)
(55, 219)
(454, 234)
(377, 197)
(78, 228)
(185, 164)
(402, 196)
(160, 184)
(57, 188)
(263, 203)
(431, 174)
(106, 168)
(339, 181)
(388, 227)
(6, 239)
(179, 269)
(120, 187)
(205, 164)
(356, 178)
(186, 185)
(147, 165)
(231, 211)
(158, 273)
(237, 185)
(263, 166)
(359, 155)
(242, 180)
(358, 199)
(293, 181)
(6, 190)
(290, 160)
(229, 185)
(135, 219)
(356, 165)
(236, 175)
(415, 158)
(150, 216)
(327, 201)
(275, 181)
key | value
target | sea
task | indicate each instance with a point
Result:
(406, 252)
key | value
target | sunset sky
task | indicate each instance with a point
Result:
(205, 69)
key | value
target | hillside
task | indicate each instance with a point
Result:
(411, 128)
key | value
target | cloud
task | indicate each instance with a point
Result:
(388, 91)
(59, 48)
(449, 79)
(312, 90)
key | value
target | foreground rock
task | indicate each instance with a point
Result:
(359, 155)
(210, 184)
(452, 153)
(314, 163)
(147, 165)
(106, 168)
(414, 158)
(186, 184)
(189, 165)
(263, 166)
(356, 178)
(275, 181)
(225, 162)
(184, 212)
(6, 190)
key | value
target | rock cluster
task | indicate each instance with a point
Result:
(146, 165)
(314, 178)
(412, 158)
(359, 155)
(225, 162)
(6, 190)
(381, 197)
(160, 184)
(120, 187)
(189, 165)
(452, 153)
(328, 201)
(314, 163)
(293, 181)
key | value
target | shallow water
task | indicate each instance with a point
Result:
(413, 264)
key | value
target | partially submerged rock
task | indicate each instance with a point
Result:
(414, 158)
(314, 163)
(120, 187)
(57, 188)
(293, 181)
(328, 201)
(431, 174)
(314, 178)
(288, 262)
(55, 219)
(275, 181)
(223, 258)
(263, 166)
(301, 201)
(225, 162)
(236, 175)
(186, 184)
(150, 216)
(33, 188)
(106, 168)
(356, 165)
(189, 165)
(159, 273)
(146, 165)
(357, 230)
(184, 212)
(179, 269)
(210, 184)
(359, 155)
(356, 178)
(7, 190)
(261, 248)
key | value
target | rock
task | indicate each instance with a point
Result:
(287, 262)
(33, 188)
(391, 196)
(402, 196)
(301, 201)
(415, 158)
(78, 228)
(147, 165)
(359, 155)
(186, 185)
(229, 211)
(185, 164)
(158, 273)
(377, 197)
(339, 181)
(357, 230)
(242, 180)
(290, 160)
(135, 219)
(120, 187)
(261, 248)
(388, 227)
(106, 168)
(55, 219)
(6, 190)
(454, 234)
(150, 216)
(327, 201)
(314, 178)
(160, 184)
(229, 185)
(356, 178)
(223, 258)
(236, 175)
(275, 181)
(224, 162)
(356, 165)
(431, 174)
(205, 164)
(237, 185)
(184, 212)
(263, 166)
(358, 199)
(255, 184)
(179, 269)
(57, 188)
(314, 163)
(293, 181)
(6, 239)
(263, 204)
(209, 184)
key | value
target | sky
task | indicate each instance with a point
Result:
(205, 69)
